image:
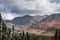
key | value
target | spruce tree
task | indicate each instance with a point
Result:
(9, 31)
(13, 37)
(4, 28)
(9, 34)
(59, 35)
(13, 29)
(0, 18)
(20, 36)
(27, 36)
(23, 34)
(56, 33)
(0, 26)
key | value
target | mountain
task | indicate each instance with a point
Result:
(41, 25)
(51, 22)
(51, 17)
(23, 23)
(47, 26)
(37, 17)
(25, 20)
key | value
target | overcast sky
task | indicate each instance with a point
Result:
(13, 8)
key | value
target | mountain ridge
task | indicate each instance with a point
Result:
(25, 19)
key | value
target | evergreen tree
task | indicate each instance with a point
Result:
(59, 35)
(56, 32)
(27, 36)
(0, 18)
(19, 36)
(9, 31)
(9, 34)
(4, 28)
(13, 37)
(0, 26)
(13, 29)
(23, 34)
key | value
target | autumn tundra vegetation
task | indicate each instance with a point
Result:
(9, 34)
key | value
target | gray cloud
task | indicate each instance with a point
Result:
(24, 7)
(25, 11)
(34, 7)
(55, 1)
(29, 0)
(29, 6)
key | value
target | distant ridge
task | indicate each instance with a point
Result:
(25, 20)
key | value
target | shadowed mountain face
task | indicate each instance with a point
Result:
(25, 20)
(22, 20)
